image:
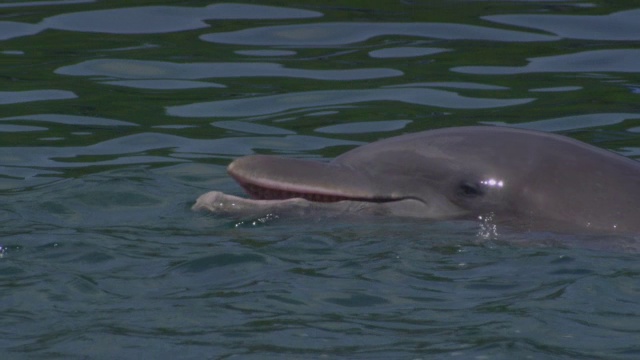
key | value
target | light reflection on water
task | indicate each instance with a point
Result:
(16, 97)
(617, 60)
(335, 34)
(267, 105)
(112, 122)
(621, 25)
(574, 122)
(130, 69)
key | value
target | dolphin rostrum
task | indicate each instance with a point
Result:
(527, 179)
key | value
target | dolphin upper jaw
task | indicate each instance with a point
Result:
(274, 178)
(294, 186)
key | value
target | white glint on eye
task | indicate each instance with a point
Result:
(493, 183)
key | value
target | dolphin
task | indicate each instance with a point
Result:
(526, 179)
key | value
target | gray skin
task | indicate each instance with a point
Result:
(525, 179)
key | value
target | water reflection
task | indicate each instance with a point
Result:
(264, 105)
(452, 85)
(14, 97)
(365, 127)
(131, 149)
(575, 122)
(405, 52)
(20, 128)
(70, 120)
(266, 52)
(164, 19)
(623, 25)
(43, 3)
(146, 19)
(251, 128)
(12, 29)
(164, 84)
(622, 60)
(138, 69)
(95, 209)
(333, 34)
(557, 89)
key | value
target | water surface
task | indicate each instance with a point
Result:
(114, 118)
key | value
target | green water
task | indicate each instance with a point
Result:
(114, 119)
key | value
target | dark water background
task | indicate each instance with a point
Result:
(114, 118)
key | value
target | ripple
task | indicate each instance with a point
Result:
(622, 60)
(557, 89)
(15, 97)
(164, 84)
(364, 127)
(12, 52)
(405, 52)
(251, 128)
(138, 69)
(45, 3)
(358, 300)
(12, 29)
(210, 262)
(166, 19)
(620, 26)
(332, 34)
(263, 105)
(21, 128)
(575, 122)
(20, 172)
(266, 52)
(70, 120)
(452, 85)
(131, 149)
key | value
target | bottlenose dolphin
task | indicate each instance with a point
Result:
(526, 179)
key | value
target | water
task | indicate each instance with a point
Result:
(113, 119)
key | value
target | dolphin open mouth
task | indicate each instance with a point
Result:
(274, 178)
(265, 193)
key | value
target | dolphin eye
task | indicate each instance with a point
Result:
(470, 190)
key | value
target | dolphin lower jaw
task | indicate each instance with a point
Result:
(239, 207)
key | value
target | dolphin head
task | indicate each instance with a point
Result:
(524, 178)
(451, 173)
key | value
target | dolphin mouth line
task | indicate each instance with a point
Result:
(261, 192)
